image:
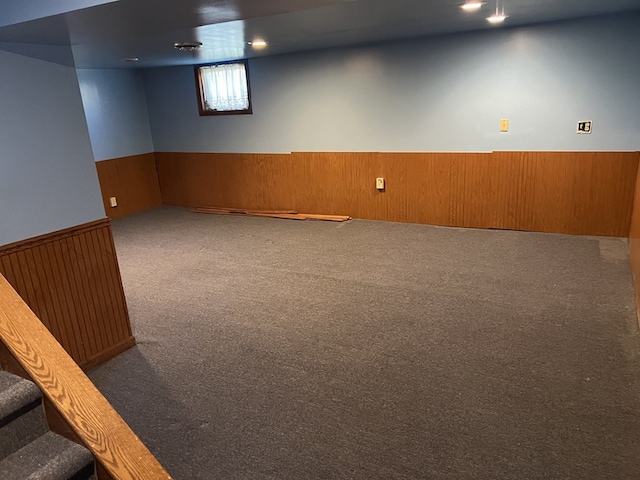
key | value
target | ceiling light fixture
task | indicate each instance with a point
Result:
(258, 44)
(471, 5)
(187, 46)
(499, 16)
(132, 59)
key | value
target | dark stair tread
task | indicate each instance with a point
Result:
(17, 396)
(49, 457)
(21, 431)
(7, 379)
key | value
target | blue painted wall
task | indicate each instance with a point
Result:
(116, 111)
(48, 178)
(433, 94)
(17, 11)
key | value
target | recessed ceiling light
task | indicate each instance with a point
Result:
(187, 46)
(258, 43)
(471, 5)
(497, 18)
(132, 59)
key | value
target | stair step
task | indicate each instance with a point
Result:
(49, 457)
(17, 396)
(22, 419)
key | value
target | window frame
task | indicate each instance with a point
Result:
(200, 91)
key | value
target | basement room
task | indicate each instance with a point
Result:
(319, 239)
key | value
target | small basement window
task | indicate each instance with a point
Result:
(223, 89)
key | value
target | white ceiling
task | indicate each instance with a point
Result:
(104, 32)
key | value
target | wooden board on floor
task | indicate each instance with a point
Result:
(284, 214)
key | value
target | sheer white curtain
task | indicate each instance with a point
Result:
(225, 87)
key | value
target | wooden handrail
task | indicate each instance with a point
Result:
(76, 399)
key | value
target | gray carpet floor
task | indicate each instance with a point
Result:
(277, 349)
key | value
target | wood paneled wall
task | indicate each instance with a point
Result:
(634, 240)
(133, 181)
(587, 193)
(71, 280)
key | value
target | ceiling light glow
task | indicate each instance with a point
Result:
(258, 44)
(471, 5)
(497, 18)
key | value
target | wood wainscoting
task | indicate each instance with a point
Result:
(634, 241)
(133, 181)
(584, 193)
(71, 280)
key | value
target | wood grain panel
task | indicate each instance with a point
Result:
(335, 183)
(428, 178)
(480, 193)
(71, 280)
(251, 181)
(611, 193)
(634, 240)
(391, 203)
(69, 392)
(563, 192)
(583, 193)
(133, 181)
(634, 230)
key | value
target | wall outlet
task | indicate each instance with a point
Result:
(380, 183)
(113, 202)
(504, 124)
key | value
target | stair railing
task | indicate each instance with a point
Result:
(75, 408)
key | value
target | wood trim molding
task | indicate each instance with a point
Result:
(71, 280)
(53, 236)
